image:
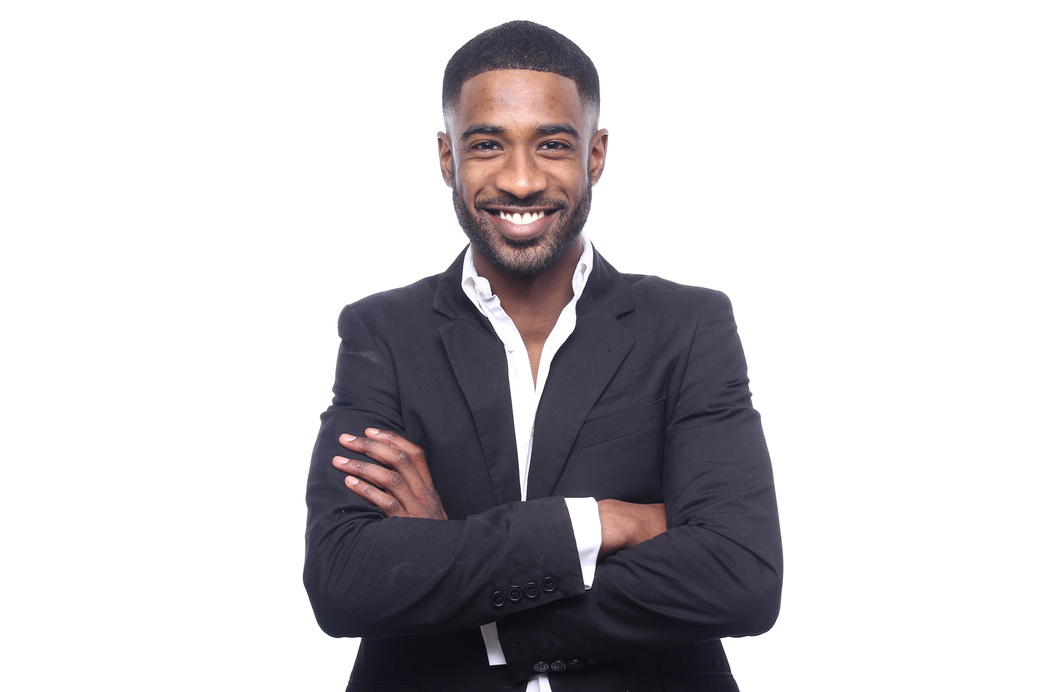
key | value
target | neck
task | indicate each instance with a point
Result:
(533, 302)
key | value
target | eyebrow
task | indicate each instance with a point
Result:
(481, 130)
(553, 129)
(558, 130)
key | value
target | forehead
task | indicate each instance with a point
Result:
(517, 97)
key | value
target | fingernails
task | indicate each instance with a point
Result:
(347, 437)
(341, 461)
(350, 480)
(374, 431)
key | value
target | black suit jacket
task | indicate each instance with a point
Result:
(647, 401)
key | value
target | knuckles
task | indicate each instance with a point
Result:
(401, 458)
(402, 451)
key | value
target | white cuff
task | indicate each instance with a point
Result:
(583, 513)
(494, 652)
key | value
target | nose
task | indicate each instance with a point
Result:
(521, 174)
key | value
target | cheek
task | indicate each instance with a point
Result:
(469, 180)
(573, 176)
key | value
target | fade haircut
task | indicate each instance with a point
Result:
(521, 45)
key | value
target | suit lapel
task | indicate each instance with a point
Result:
(480, 366)
(581, 370)
(579, 373)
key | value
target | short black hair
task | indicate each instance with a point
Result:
(521, 45)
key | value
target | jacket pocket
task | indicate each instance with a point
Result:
(623, 424)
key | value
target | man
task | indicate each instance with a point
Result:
(571, 488)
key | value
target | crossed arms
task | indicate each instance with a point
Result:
(374, 569)
(401, 486)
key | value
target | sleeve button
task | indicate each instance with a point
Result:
(541, 667)
(548, 584)
(497, 599)
(558, 666)
(532, 590)
(575, 664)
(514, 594)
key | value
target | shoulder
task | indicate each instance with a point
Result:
(419, 293)
(657, 296)
(647, 287)
(676, 311)
(416, 301)
(386, 310)
(649, 305)
(663, 312)
(651, 294)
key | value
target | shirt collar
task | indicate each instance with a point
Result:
(478, 290)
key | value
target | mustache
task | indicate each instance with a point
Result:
(520, 202)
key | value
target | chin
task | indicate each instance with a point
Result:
(525, 258)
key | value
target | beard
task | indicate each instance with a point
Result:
(526, 257)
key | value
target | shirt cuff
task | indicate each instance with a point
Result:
(583, 513)
(494, 652)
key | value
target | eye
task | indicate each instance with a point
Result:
(484, 146)
(556, 145)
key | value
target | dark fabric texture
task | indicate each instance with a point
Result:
(647, 401)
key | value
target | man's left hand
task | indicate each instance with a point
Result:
(403, 487)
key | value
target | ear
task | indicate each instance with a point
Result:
(596, 159)
(446, 159)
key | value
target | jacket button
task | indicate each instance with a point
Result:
(497, 599)
(514, 594)
(548, 584)
(532, 590)
(558, 666)
(541, 667)
(575, 664)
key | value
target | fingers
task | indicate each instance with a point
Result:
(415, 455)
(383, 478)
(399, 483)
(393, 450)
(384, 501)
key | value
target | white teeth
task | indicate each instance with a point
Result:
(521, 219)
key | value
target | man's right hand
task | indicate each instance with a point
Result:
(625, 524)
(403, 487)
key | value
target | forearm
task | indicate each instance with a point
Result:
(687, 585)
(368, 575)
(626, 524)
(411, 576)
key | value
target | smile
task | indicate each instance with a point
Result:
(522, 219)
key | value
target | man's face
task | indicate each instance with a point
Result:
(521, 156)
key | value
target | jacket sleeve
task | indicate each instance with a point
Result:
(716, 572)
(368, 575)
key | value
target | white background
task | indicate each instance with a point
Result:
(190, 191)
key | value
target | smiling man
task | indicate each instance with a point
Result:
(524, 165)
(537, 472)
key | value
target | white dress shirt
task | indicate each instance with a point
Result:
(525, 398)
